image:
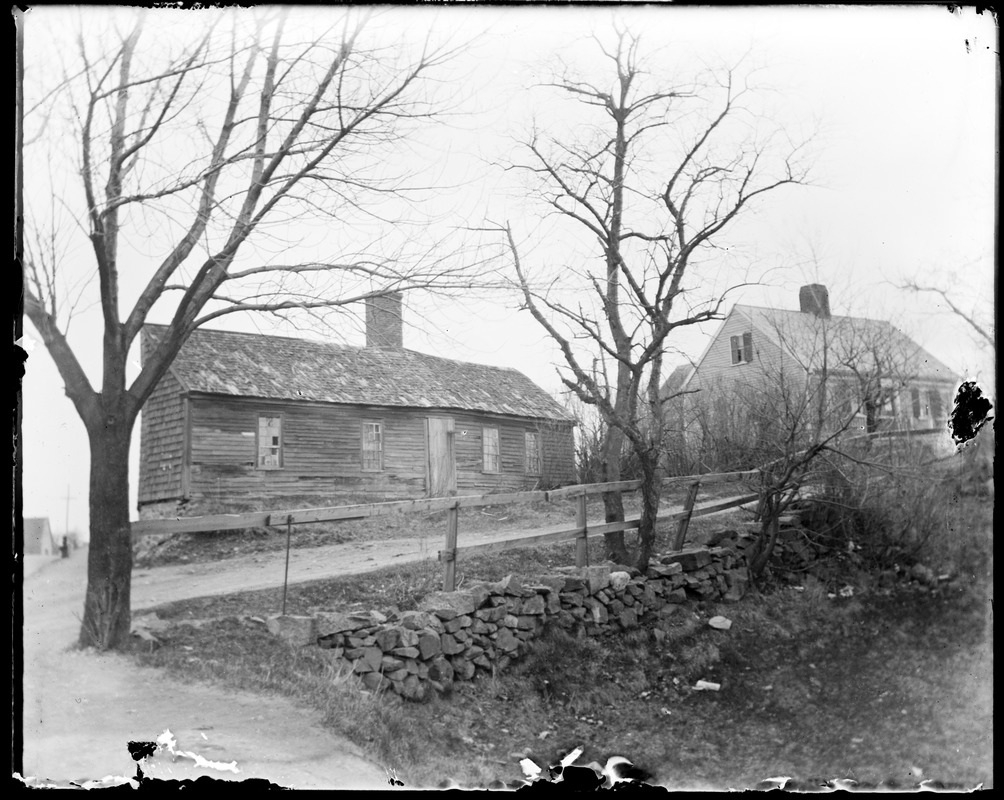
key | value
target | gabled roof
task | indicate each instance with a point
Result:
(846, 340)
(677, 378)
(804, 337)
(281, 368)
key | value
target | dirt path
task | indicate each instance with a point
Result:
(81, 708)
(158, 585)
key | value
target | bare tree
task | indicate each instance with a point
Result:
(190, 157)
(657, 193)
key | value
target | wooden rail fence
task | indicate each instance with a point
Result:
(580, 532)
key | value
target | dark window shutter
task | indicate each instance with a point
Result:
(736, 350)
(747, 347)
(915, 396)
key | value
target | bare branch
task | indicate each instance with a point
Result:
(980, 330)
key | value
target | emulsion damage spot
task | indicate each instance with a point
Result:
(971, 412)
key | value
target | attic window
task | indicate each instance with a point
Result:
(490, 449)
(921, 410)
(742, 348)
(269, 442)
(372, 446)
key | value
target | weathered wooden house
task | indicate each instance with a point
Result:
(870, 366)
(244, 418)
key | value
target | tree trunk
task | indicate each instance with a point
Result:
(769, 528)
(109, 561)
(871, 417)
(613, 502)
(651, 490)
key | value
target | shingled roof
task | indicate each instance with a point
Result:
(848, 339)
(281, 368)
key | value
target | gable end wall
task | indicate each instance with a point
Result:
(162, 443)
(717, 370)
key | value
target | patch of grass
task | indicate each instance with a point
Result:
(240, 654)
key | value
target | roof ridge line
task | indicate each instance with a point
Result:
(799, 311)
(346, 347)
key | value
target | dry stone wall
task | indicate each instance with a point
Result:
(454, 636)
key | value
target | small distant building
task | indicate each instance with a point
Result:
(244, 418)
(38, 537)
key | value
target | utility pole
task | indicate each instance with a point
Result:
(66, 526)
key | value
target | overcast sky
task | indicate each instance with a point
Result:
(903, 102)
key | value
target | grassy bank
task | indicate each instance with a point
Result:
(889, 685)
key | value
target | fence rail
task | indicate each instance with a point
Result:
(452, 505)
(897, 434)
(265, 519)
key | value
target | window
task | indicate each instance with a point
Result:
(269, 442)
(843, 398)
(532, 454)
(372, 446)
(490, 449)
(890, 403)
(742, 348)
(921, 410)
(935, 401)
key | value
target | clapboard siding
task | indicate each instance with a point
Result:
(556, 445)
(717, 369)
(162, 442)
(322, 451)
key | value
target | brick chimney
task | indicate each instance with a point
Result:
(384, 327)
(814, 299)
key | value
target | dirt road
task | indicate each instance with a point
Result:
(158, 585)
(81, 708)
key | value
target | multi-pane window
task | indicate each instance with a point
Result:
(490, 449)
(532, 454)
(742, 348)
(372, 446)
(269, 442)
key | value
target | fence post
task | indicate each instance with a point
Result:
(582, 542)
(449, 555)
(688, 509)
(285, 577)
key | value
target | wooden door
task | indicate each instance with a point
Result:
(442, 466)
